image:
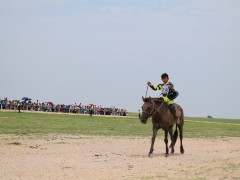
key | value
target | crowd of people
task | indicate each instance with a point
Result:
(61, 108)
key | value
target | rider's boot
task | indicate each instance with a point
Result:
(173, 109)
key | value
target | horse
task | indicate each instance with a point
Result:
(163, 118)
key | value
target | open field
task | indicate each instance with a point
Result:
(61, 146)
(38, 124)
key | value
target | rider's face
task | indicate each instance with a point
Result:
(165, 80)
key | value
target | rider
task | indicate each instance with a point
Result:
(168, 92)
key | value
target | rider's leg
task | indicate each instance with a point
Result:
(173, 109)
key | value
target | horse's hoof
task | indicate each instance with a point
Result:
(166, 155)
(172, 151)
(182, 151)
(149, 154)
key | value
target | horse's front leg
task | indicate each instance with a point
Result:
(166, 142)
(155, 130)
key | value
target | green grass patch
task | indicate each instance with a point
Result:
(217, 120)
(43, 124)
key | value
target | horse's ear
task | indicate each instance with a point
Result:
(146, 99)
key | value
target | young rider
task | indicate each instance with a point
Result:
(168, 92)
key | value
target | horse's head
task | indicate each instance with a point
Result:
(150, 107)
(147, 110)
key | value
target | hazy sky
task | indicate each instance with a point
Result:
(104, 52)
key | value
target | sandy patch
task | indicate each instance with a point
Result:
(83, 157)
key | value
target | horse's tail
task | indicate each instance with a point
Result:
(175, 136)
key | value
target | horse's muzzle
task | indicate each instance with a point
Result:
(143, 121)
(142, 118)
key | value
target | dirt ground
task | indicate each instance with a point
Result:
(83, 157)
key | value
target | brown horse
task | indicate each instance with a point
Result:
(163, 118)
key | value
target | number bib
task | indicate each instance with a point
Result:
(165, 90)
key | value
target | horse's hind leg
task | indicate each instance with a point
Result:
(181, 137)
(153, 140)
(166, 142)
(172, 139)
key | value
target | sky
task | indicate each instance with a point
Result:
(104, 52)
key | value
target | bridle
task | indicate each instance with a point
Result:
(153, 110)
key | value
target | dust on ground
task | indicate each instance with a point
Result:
(93, 157)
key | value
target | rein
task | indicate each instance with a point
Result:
(146, 92)
(153, 110)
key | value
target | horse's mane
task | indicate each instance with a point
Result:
(155, 99)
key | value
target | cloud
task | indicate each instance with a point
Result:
(221, 8)
(37, 2)
(117, 10)
(121, 10)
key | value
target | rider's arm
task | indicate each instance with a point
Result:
(170, 85)
(158, 87)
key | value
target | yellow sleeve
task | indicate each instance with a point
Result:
(158, 87)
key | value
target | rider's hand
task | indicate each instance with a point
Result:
(149, 83)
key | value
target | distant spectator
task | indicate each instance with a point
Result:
(19, 106)
(63, 108)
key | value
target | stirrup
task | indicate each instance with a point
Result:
(176, 114)
(178, 121)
